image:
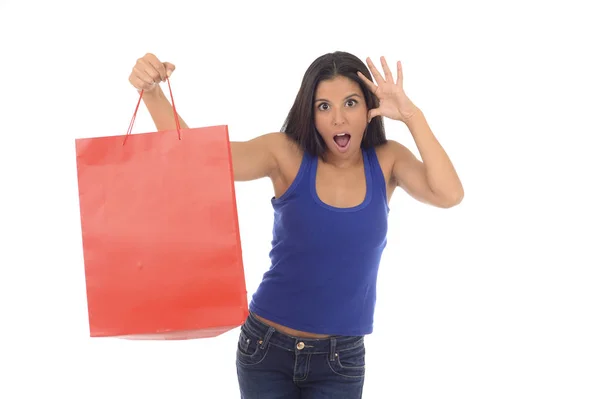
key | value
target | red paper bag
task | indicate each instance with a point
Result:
(160, 233)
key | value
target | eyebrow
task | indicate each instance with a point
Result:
(345, 98)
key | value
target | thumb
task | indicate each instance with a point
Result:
(373, 113)
(169, 67)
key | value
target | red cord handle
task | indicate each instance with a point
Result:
(129, 130)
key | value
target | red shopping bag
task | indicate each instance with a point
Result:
(161, 242)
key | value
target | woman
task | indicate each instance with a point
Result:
(333, 173)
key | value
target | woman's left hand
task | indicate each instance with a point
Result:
(393, 102)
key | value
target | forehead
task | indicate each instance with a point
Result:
(338, 87)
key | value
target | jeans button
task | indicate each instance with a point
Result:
(300, 346)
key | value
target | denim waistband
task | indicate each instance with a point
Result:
(270, 335)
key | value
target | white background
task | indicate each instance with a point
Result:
(496, 298)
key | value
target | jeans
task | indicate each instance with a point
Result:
(271, 364)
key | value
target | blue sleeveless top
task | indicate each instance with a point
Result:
(325, 259)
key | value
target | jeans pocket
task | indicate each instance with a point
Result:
(349, 363)
(249, 351)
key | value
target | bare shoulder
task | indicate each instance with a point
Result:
(390, 155)
(274, 155)
(392, 149)
(282, 145)
(259, 157)
(286, 146)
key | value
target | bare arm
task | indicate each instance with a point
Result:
(147, 74)
(257, 158)
(433, 181)
(161, 110)
(252, 159)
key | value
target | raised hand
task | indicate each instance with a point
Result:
(393, 101)
(148, 72)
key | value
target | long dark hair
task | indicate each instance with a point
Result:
(300, 123)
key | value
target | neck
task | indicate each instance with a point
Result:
(343, 162)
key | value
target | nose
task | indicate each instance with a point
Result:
(338, 117)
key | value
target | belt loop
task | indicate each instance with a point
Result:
(332, 348)
(265, 341)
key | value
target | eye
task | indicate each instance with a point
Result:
(322, 105)
(352, 101)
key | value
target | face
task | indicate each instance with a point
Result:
(340, 115)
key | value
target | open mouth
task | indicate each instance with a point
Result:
(342, 141)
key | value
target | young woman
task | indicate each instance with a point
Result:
(333, 173)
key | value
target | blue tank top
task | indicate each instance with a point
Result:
(325, 260)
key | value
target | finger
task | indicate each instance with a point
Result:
(140, 84)
(159, 67)
(153, 61)
(169, 68)
(141, 73)
(153, 69)
(378, 78)
(367, 81)
(386, 70)
(400, 75)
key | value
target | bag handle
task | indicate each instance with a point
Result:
(129, 130)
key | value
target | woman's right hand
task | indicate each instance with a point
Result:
(148, 72)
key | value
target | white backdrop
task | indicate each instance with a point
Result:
(496, 298)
